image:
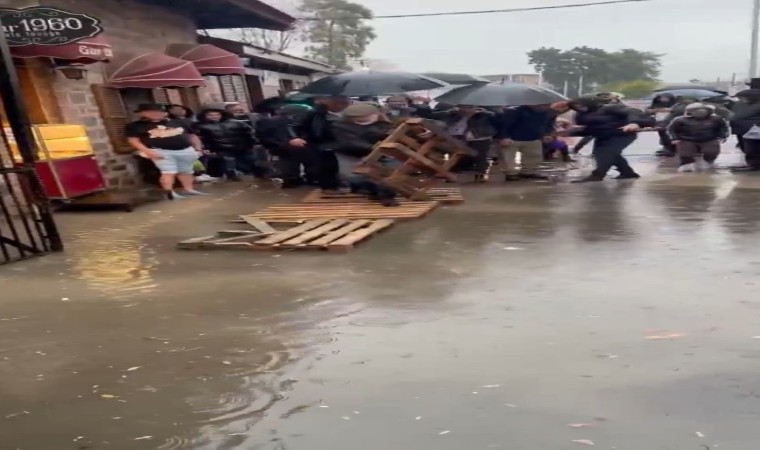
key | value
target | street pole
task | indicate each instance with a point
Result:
(755, 36)
(564, 90)
(580, 83)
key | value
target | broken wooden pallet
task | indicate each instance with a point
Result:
(443, 195)
(336, 235)
(341, 210)
(228, 239)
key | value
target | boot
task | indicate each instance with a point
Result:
(628, 176)
(589, 179)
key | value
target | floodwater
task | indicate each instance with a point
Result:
(536, 316)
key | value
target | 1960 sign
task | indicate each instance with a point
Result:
(40, 25)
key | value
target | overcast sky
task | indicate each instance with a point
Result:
(702, 39)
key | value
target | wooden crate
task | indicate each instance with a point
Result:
(341, 210)
(442, 195)
(426, 154)
(228, 239)
(335, 235)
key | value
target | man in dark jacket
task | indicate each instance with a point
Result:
(273, 134)
(313, 133)
(476, 127)
(522, 130)
(660, 109)
(746, 115)
(229, 139)
(698, 132)
(360, 129)
(613, 128)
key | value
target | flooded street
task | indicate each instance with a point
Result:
(534, 316)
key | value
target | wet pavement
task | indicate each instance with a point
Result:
(534, 316)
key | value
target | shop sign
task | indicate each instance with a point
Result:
(41, 25)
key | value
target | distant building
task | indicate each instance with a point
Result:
(525, 78)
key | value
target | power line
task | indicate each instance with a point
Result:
(491, 11)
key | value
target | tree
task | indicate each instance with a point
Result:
(336, 30)
(277, 41)
(583, 69)
(631, 89)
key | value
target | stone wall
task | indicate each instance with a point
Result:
(132, 28)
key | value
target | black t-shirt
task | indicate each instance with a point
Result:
(169, 134)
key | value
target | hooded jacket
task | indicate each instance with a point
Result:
(691, 129)
(226, 136)
(357, 140)
(663, 101)
(746, 114)
(607, 121)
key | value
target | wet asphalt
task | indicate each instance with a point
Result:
(536, 316)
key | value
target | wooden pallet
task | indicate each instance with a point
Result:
(335, 235)
(446, 196)
(341, 210)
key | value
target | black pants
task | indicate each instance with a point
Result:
(751, 149)
(327, 170)
(665, 141)
(479, 162)
(608, 153)
(296, 167)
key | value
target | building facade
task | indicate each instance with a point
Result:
(113, 78)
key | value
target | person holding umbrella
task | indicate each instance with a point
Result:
(746, 117)
(312, 132)
(613, 128)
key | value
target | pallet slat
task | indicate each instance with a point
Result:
(339, 233)
(352, 238)
(329, 211)
(442, 195)
(293, 232)
(315, 233)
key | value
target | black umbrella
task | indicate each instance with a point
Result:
(510, 94)
(366, 82)
(698, 93)
(457, 78)
(678, 87)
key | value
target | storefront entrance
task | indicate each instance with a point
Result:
(27, 227)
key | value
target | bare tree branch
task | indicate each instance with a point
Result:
(277, 41)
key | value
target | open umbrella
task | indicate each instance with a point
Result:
(675, 87)
(367, 82)
(457, 78)
(511, 94)
(688, 92)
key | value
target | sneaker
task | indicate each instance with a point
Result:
(194, 192)
(687, 168)
(704, 165)
(206, 178)
(589, 179)
(628, 176)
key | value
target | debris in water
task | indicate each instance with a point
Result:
(41, 353)
(475, 392)
(664, 336)
(444, 432)
(346, 418)
(226, 363)
(64, 299)
(700, 434)
(132, 369)
(513, 248)
(490, 386)
(143, 438)
(78, 438)
(579, 425)
(116, 418)
(107, 396)
(583, 441)
(323, 406)
(418, 418)
(357, 412)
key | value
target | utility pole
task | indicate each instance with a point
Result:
(580, 84)
(331, 42)
(755, 36)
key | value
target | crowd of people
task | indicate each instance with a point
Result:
(321, 142)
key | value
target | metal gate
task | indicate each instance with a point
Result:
(27, 227)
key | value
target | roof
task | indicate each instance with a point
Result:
(252, 51)
(218, 14)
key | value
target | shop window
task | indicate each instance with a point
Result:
(36, 83)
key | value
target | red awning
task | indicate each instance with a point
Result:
(208, 59)
(153, 70)
(86, 51)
